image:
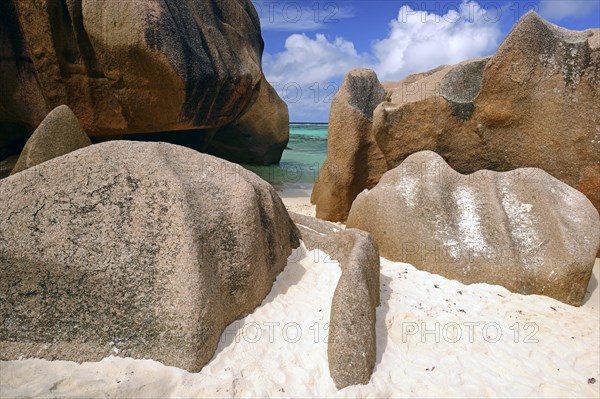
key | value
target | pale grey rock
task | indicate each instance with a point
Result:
(58, 134)
(352, 343)
(524, 229)
(143, 250)
(352, 347)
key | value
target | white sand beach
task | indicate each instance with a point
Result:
(435, 338)
(142, 144)
(298, 200)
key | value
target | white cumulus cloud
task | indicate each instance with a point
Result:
(308, 60)
(419, 40)
(308, 73)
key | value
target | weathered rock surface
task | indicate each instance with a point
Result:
(316, 233)
(353, 159)
(429, 112)
(352, 343)
(352, 347)
(260, 135)
(535, 103)
(524, 230)
(22, 105)
(140, 66)
(130, 249)
(58, 134)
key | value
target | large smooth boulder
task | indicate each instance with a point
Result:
(524, 229)
(260, 135)
(58, 134)
(145, 66)
(145, 250)
(535, 103)
(351, 146)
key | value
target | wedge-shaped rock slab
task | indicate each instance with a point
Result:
(58, 134)
(524, 229)
(352, 343)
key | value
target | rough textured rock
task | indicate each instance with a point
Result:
(58, 134)
(141, 66)
(316, 233)
(524, 230)
(130, 249)
(260, 135)
(535, 103)
(551, 117)
(352, 344)
(430, 112)
(22, 105)
(351, 146)
(352, 347)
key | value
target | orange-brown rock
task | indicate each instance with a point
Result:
(131, 67)
(142, 66)
(353, 159)
(535, 103)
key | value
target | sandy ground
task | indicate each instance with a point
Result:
(435, 338)
(297, 200)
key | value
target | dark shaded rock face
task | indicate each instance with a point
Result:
(130, 67)
(535, 103)
(7, 165)
(141, 66)
(22, 105)
(215, 47)
(461, 85)
(524, 229)
(144, 250)
(259, 136)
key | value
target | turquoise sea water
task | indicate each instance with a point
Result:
(302, 159)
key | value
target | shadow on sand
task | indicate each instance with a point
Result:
(290, 276)
(382, 310)
(592, 286)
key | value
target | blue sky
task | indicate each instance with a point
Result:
(310, 45)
